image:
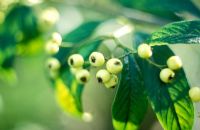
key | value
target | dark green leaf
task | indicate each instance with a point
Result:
(21, 22)
(130, 102)
(7, 55)
(7, 50)
(186, 32)
(171, 101)
(162, 8)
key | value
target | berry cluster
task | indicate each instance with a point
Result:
(106, 76)
(173, 63)
(113, 66)
(52, 46)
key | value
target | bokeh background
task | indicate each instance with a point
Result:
(27, 100)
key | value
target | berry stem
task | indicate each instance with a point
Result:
(155, 64)
(67, 45)
(76, 47)
(86, 42)
(119, 44)
(131, 52)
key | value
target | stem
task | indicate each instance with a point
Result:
(126, 54)
(87, 42)
(155, 64)
(66, 45)
(119, 44)
(116, 41)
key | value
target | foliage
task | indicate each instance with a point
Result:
(17, 37)
(139, 82)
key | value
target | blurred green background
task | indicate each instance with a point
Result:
(29, 103)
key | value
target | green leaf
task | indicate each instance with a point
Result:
(82, 32)
(7, 55)
(171, 101)
(185, 32)
(69, 80)
(31, 47)
(162, 8)
(79, 34)
(21, 22)
(130, 102)
(68, 90)
(66, 99)
(7, 50)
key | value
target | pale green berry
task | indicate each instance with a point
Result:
(112, 82)
(87, 117)
(103, 76)
(75, 70)
(194, 94)
(166, 75)
(51, 48)
(53, 64)
(82, 76)
(76, 61)
(53, 73)
(56, 38)
(174, 62)
(97, 59)
(49, 17)
(144, 51)
(114, 66)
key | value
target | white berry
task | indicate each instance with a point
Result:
(112, 82)
(53, 64)
(49, 16)
(194, 94)
(114, 66)
(76, 61)
(87, 117)
(82, 76)
(144, 51)
(75, 70)
(53, 73)
(166, 75)
(103, 76)
(56, 38)
(51, 48)
(174, 62)
(97, 59)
